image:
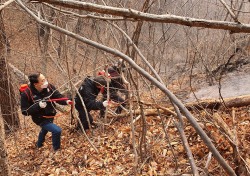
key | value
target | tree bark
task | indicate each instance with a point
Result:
(4, 167)
(44, 34)
(7, 95)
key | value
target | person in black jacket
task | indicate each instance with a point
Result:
(36, 101)
(88, 93)
(115, 85)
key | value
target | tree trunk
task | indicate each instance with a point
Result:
(4, 167)
(44, 34)
(7, 95)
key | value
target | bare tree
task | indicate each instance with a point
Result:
(7, 95)
(44, 34)
(4, 168)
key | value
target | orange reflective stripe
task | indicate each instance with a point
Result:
(49, 117)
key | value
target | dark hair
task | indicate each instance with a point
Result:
(101, 80)
(114, 71)
(33, 78)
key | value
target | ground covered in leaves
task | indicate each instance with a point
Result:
(160, 151)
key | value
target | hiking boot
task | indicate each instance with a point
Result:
(94, 125)
(57, 150)
(38, 145)
(78, 129)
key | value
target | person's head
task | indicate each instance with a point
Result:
(114, 72)
(101, 81)
(38, 80)
(119, 66)
(120, 63)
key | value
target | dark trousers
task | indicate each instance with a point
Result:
(116, 98)
(83, 117)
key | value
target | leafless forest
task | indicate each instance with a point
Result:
(170, 49)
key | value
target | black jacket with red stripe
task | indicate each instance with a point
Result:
(30, 103)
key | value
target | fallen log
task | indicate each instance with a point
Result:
(239, 101)
(147, 112)
(202, 104)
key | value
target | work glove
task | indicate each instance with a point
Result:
(110, 104)
(105, 103)
(42, 104)
(69, 102)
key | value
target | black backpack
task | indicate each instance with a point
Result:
(24, 88)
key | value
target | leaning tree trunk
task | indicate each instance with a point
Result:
(4, 167)
(7, 96)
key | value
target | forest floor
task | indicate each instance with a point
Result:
(161, 151)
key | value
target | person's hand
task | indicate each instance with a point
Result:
(110, 104)
(42, 104)
(105, 103)
(69, 102)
